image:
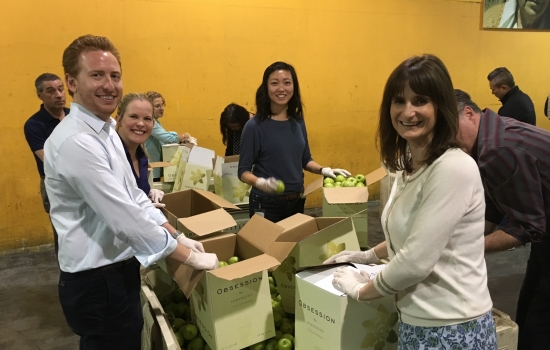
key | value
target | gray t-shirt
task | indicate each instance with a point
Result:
(278, 149)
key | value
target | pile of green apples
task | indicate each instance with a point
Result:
(341, 181)
(232, 260)
(284, 324)
(176, 306)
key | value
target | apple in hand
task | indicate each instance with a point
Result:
(232, 260)
(284, 344)
(280, 187)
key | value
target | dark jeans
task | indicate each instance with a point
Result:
(46, 204)
(274, 209)
(103, 307)
(533, 308)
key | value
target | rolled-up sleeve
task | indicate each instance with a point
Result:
(135, 224)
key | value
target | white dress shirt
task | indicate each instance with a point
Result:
(99, 213)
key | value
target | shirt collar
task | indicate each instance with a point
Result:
(508, 94)
(90, 119)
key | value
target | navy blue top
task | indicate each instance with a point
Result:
(141, 180)
(37, 129)
(278, 149)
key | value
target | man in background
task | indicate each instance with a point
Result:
(514, 163)
(51, 91)
(515, 103)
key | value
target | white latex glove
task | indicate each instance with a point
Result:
(268, 185)
(156, 195)
(368, 257)
(193, 140)
(202, 261)
(328, 172)
(190, 243)
(350, 282)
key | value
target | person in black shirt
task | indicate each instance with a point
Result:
(515, 103)
(51, 91)
(232, 121)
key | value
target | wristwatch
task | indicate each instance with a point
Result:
(176, 234)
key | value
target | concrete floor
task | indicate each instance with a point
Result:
(31, 317)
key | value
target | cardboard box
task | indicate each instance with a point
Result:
(165, 187)
(507, 331)
(305, 241)
(348, 201)
(198, 213)
(169, 155)
(241, 217)
(157, 333)
(232, 304)
(153, 165)
(226, 180)
(194, 168)
(328, 319)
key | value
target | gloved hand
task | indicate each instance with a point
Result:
(349, 281)
(190, 243)
(328, 172)
(202, 261)
(186, 138)
(193, 140)
(268, 185)
(368, 257)
(156, 196)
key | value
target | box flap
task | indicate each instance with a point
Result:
(346, 195)
(281, 250)
(159, 164)
(217, 199)
(260, 232)
(232, 159)
(209, 222)
(246, 267)
(297, 227)
(376, 175)
(315, 185)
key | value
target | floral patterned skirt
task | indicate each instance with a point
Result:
(478, 334)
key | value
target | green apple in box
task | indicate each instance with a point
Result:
(307, 241)
(340, 322)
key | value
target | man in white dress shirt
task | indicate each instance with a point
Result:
(106, 225)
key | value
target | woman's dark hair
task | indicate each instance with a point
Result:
(427, 76)
(232, 114)
(263, 103)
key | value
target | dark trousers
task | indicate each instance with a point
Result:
(275, 209)
(533, 308)
(103, 306)
(46, 204)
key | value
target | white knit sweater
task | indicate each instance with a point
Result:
(433, 224)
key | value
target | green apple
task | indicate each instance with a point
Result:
(271, 280)
(337, 184)
(340, 178)
(271, 344)
(328, 180)
(272, 288)
(179, 339)
(280, 187)
(257, 346)
(189, 331)
(222, 264)
(278, 334)
(179, 310)
(289, 337)
(207, 347)
(279, 298)
(196, 344)
(286, 328)
(170, 308)
(360, 178)
(232, 260)
(328, 185)
(277, 319)
(360, 184)
(178, 296)
(177, 324)
(352, 180)
(348, 184)
(284, 344)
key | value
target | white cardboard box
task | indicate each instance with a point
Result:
(328, 319)
(194, 168)
(226, 180)
(168, 153)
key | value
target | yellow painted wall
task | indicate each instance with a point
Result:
(204, 54)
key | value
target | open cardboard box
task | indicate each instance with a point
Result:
(328, 319)
(299, 240)
(198, 213)
(232, 305)
(226, 180)
(348, 201)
